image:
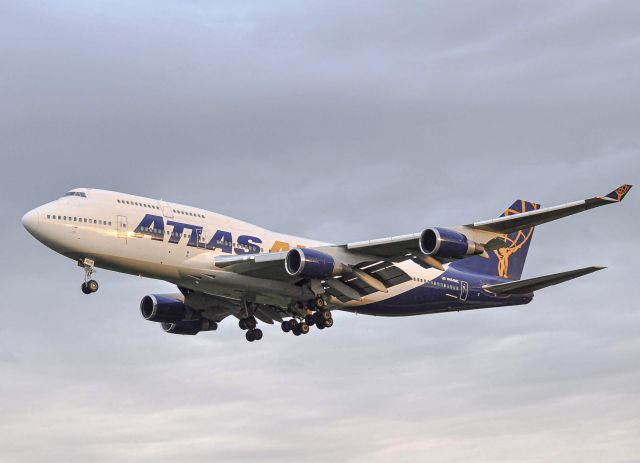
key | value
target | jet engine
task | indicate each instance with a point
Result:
(448, 244)
(162, 308)
(311, 264)
(190, 327)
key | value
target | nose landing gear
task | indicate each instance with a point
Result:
(89, 286)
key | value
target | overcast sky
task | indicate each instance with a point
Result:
(339, 121)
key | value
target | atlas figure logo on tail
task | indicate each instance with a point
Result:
(515, 240)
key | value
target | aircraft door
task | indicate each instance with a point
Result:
(166, 210)
(464, 290)
(123, 227)
(201, 243)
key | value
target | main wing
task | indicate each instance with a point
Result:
(488, 232)
(368, 266)
(512, 223)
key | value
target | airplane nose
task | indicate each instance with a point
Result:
(30, 221)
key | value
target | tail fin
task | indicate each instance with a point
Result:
(506, 262)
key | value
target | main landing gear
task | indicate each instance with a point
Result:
(89, 286)
(249, 324)
(320, 318)
(295, 326)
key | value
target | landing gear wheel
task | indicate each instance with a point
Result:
(320, 302)
(304, 328)
(250, 336)
(92, 286)
(293, 323)
(242, 323)
(328, 323)
(296, 331)
(326, 315)
(257, 334)
(251, 323)
(320, 325)
(286, 327)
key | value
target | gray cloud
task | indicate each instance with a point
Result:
(341, 122)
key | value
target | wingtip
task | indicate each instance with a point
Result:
(619, 193)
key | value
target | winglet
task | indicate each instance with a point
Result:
(619, 193)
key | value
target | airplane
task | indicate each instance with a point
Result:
(224, 267)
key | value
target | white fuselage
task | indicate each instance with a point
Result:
(176, 243)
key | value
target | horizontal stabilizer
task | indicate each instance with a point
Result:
(533, 284)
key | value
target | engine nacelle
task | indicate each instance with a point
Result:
(162, 308)
(190, 327)
(311, 264)
(448, 244)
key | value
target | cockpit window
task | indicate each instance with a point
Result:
(76, 193)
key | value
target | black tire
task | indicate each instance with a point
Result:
(326, 315)
(286, 327)
(84, 288)
(293, 323)
(92, 286)
(250, 336)
(304, 328)
(242, 323)
(297, 331)
(320, 302)
(257, 334)
(320, 325)
(328, 323)
(251, 323)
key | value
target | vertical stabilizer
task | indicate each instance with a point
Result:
(507, 262)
